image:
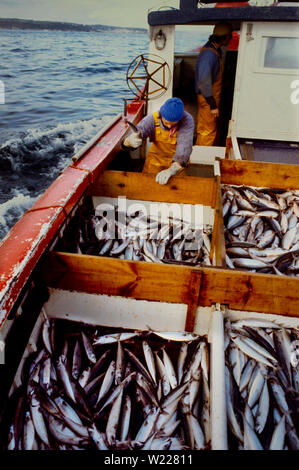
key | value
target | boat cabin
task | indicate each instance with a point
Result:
(259, 112)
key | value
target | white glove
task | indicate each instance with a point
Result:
(164, 175)
(133, 140)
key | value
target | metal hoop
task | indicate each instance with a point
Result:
(148, 76)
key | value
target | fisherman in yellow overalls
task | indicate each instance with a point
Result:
(208, 83)
(171, 132)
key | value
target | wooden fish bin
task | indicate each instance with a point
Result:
(191, 286)
(109, 313)
(259, 174)
(114, 313)
(138, 279)
(260, 414)
(245, 290)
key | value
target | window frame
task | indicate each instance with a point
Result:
(259, 55)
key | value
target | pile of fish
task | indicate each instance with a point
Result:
(262, 385)
(261, 229)
(93, 388)
(139, 237)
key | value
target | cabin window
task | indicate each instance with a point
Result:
(280, 52)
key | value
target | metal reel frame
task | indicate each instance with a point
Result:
(141, 65)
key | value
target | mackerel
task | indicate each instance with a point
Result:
(107, 382)
(278, 437)
(113, 338)
(149, 359)
(261, 350)
(113, 419)
(120, 363)
(98, 438)
(77, 360)
(263, 409)
(147, 428)
(169, 370)
(181, 360)
(88, 349)
(176, 335)
(251, 441)
(126, 417)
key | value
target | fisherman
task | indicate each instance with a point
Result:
(208, 83)
(171, 132)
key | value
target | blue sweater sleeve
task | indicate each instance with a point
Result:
(184, 140)
(147, 127)
(207, 69)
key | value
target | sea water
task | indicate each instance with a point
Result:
(58, 90)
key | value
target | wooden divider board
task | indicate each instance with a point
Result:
(168, 283)
(133, 185)
(218, 245)
(259, 174)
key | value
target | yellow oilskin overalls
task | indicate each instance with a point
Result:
(161, 151)
(206, 121)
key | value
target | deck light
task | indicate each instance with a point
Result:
(160, 40)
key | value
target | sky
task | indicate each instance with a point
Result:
(126, 13)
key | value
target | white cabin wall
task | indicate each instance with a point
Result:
(168, 54)
(262, 105)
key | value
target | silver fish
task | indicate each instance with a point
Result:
(247, 348)
(181, 360)
(108, 381)
(256, 389)
(149, 359)
(113, 338)
(169, 370)
(251, 441)
(148, 426)
(88, 349)
(176, 335)
(126, 417)
(113, 419)
(46, 334)
(29, 432)
(166, 387)
(120, 363)
(98, 438)
(64, 377)
(278, 437)
(38, 420)
(139, 366)
(77, 360)
(62, 433)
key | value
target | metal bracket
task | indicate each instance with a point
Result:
(249, 36)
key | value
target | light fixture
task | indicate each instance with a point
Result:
(160, 40)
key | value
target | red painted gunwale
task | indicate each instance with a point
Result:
(23, 246)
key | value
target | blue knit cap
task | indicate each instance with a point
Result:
(172, 110)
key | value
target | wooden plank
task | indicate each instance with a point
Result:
(110, 276)
(168, 283)
(241, 290)
(133, 185)
(259, 174)
(194, 291)
(218, 240)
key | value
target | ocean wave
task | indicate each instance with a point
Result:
(31, 162)
(17, 49)
(12, 210)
